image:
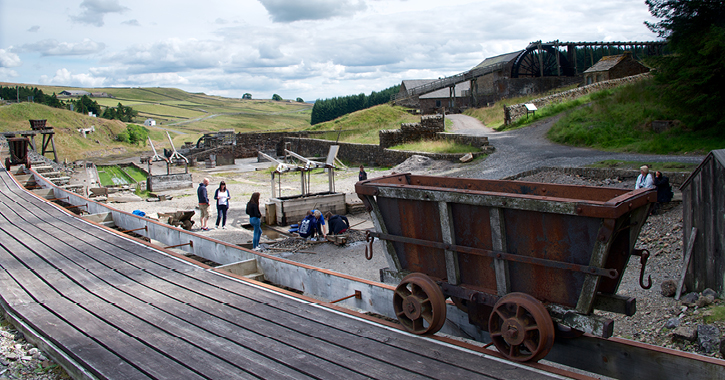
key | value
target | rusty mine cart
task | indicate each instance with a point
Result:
(526, 261)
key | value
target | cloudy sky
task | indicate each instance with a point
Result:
(295, 48)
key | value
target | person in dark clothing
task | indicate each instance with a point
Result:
(203, 204)
(309, 226)
(222, 204)
(338, 223)
(362, 175)
(664, 190)
(255, 219)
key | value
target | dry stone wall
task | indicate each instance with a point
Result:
(427, 129)
(368, 154)
(431, 127)
(516, 111)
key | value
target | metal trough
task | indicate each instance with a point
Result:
(526, 261)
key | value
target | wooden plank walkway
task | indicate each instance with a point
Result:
(122, 310)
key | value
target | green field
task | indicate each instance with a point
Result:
(113, 175)
(137, 174)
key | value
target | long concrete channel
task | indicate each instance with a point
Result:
(613, 357)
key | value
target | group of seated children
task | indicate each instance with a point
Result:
(313, 225)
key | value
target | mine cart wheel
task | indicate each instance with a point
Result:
(419, 299)
(521, 328)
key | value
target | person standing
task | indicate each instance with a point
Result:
(255, 219)
(222, 204)
(644, 180)
(361, 176)
(203, 204)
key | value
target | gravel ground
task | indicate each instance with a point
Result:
(22, 360)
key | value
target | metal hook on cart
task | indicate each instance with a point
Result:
(369, 248)
(643, 256)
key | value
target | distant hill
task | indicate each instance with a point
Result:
(193, 114)
(68, 141)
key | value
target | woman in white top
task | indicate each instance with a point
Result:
(644, 180)
(222, 204)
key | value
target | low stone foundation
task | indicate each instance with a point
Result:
(169, 182)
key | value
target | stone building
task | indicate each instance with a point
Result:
(446, 101)
(614, 67)
(519, 73)
(408, 84)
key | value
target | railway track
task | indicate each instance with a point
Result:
(132, 307)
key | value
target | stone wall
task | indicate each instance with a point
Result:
(458, 138)
(514, 112)
(427, 129)
(368, 154)
(431, 127)
(491, 88)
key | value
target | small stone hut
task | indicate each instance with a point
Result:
(703, 207)
(614, 67)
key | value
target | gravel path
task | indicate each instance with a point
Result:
(528, 148)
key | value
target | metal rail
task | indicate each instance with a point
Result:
(603, 272)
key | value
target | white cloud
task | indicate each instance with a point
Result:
(52, 47)
(8, 59)
(64, 77)
(133, 22)
(294, 10)
(93, 11)
(34, 28)
(7, 73)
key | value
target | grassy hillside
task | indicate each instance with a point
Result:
(620, 119)
(190, 115)
(68, 141)
(617, 119)
(493, 116)
(363, 126)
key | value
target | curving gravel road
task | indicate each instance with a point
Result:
(528, 148)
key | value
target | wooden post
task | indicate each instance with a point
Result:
(686, 262)
(274, 193)
(498, 240)
(448, 234)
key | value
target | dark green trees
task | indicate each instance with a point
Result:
(329, 109)
(694, 74)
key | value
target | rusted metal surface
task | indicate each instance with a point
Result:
(591, 270)
(419, 304)
(643, 256)
(521, 328)
(566, 246)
